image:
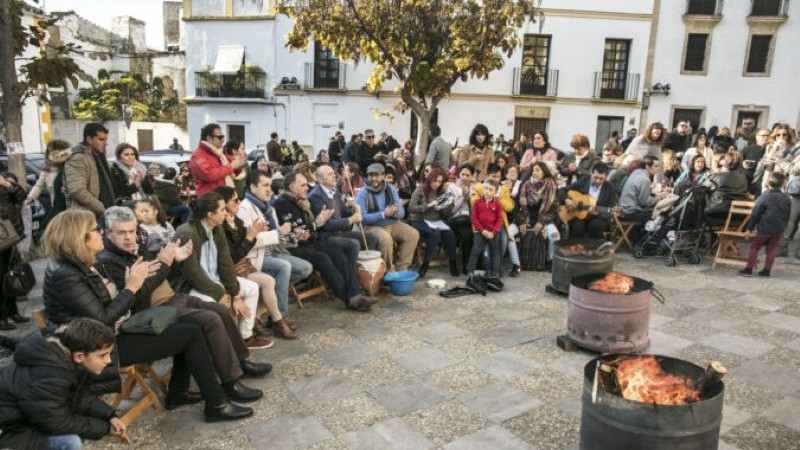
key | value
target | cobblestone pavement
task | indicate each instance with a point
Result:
(424, 372)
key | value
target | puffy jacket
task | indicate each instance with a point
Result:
(82, 181)
(73, 290)
(43, 393)
(208, 171)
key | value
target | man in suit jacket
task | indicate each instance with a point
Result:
(345, 211)
(599, 219)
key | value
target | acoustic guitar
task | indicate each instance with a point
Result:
(581, 207)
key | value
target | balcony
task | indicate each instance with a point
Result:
(244, 84)
(325, 76)
(616, 86)
(530, 81)
(704, 7)
(770, 8)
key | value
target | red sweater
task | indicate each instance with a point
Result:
(486, 216)
(207, 170)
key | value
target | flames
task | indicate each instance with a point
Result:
(641, 379)
(613, 283)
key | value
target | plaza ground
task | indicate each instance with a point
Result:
(424, 372)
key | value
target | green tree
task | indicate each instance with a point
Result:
(129, 94)
(425, 45)
(50, 66)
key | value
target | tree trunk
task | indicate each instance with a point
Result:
(12, 111)
(423, 136)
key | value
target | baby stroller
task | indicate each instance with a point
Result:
(678, 231)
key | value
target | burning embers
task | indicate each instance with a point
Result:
(641, 378)
(613, 283)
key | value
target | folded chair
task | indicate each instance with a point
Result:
(310, 287)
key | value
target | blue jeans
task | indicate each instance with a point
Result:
(64, 442)
(285, 269)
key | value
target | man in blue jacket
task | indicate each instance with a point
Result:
(345, 213)
(383, 211)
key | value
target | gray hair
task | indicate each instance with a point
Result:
(320, 169)
(118, 214)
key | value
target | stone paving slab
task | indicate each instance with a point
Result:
(424, 372)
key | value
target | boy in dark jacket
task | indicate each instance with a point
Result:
(769, 219)
(43, 403)
(486, 222)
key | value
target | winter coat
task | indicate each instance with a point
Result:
(770, 213)
(113, 262)
(635, 196)
(207, 169)
(486, 216)
(82, 181)
(11, 201)
(43, 394)
(123, 187)
(194, 277)
(297, 213)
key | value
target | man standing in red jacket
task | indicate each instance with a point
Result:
(209, 166)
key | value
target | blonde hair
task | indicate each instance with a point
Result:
(65, 236)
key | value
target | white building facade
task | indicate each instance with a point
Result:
(588, 67)
(581, 70)
(725, 61)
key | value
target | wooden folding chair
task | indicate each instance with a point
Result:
(132, 376)
(622, 232)
(732, 234)
(315, 286)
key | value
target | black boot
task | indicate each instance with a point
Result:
(238, 392)
(514, 271)
(226, 411)
(453, 267)
(423, 269)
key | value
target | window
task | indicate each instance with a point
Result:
(759, 53)
(695, 52)
(702, 7)
(606, 126)
(326, 68)
(528, 126)
(766, 8)
(615, 68)
(235, 132)
(691, 115)
(248, 7)
(535, 62)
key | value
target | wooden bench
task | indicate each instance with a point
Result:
(132, 376)
(315, 287)
(733, 234)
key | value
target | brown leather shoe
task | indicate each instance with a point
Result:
(256, 342)
(283, 330)
(292, 324)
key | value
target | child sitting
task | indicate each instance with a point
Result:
(486, 222)
(156, 231)
(769, 218)
(44, 402)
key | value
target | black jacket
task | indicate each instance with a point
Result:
(72, 290)
(42, 394)
(112, 262)
(123, 188)
(238, 244)
(365, 155)
(607, 197)
(770, 213)
(289, 210)
(11, 201)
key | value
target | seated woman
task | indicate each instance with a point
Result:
(430, 205)
(729, 184)
(241, 240)
(693, 177)
(73, 288)
(538, 210)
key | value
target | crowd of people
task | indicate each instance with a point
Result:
(197, 263)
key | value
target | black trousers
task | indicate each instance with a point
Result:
(434, 239)
(594, 227)
(8, 304)
(479, 244)
(221, 333)
(187, 345)
(335, 259)
(372, 241)
(463, 231)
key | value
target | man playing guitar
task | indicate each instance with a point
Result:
(589, 204)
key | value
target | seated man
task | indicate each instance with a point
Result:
(45, 405)
(599, 219)
(270, 252)
(208, 272)
(383, 212)
(636, 200)
(345, 214)
(335, 259)
(228, 351)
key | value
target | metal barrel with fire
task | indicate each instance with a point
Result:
(651, 402)
(576, 257)
(609, 312)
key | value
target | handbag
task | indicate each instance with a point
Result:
(20, 279)
(8, 235)
(244, 267)
(151, 321)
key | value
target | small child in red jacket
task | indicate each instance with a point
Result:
(486, 223)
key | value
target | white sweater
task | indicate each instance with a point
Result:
(249, 213)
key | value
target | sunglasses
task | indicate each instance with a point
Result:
(219, 136)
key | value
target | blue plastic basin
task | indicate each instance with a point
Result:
(401, 283)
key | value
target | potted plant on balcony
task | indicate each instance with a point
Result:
(254, 80)
(208, 84)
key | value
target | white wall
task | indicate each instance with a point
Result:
(163, 133)
(724, 86)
